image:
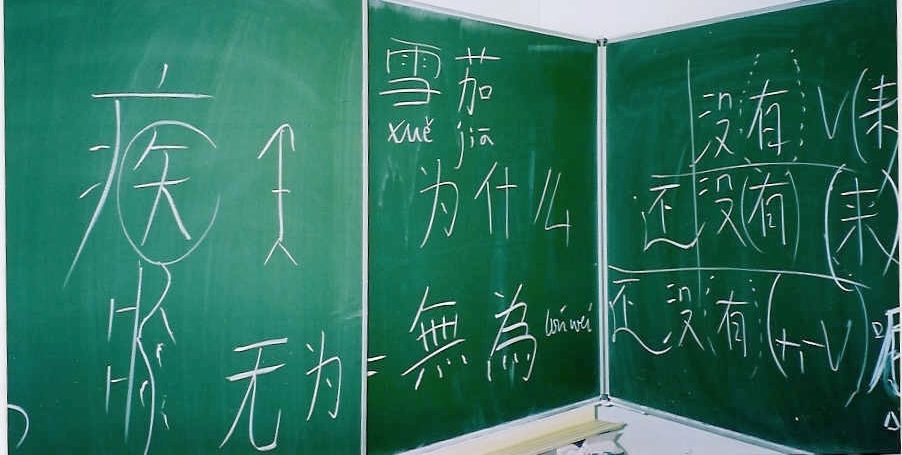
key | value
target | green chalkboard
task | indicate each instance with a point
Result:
(482, 216)
(751, 205)
(183, 228)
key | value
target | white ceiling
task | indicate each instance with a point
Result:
(604, 18)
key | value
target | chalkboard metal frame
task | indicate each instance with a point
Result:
(4, 386)
(365, 213)
(602, 61)
(899, 114)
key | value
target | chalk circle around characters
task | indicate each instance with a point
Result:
(152, 129)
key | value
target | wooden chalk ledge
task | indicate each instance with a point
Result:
(534, 437)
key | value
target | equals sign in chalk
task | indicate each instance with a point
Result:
(369, 360)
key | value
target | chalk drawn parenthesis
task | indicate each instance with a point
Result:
(827, 229)
(795, 192)
(770, 338)
(892, 184)
(125, 232)
(20, 410)
(864, 357)
(865, 336)
(852, 111)
(745, 228)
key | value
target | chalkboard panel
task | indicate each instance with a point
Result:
(184, 226)
(753, 274)
(483, 277)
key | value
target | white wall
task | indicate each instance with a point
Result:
(603, 18)
(518, 11)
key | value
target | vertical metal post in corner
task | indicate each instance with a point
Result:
(601, 119)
